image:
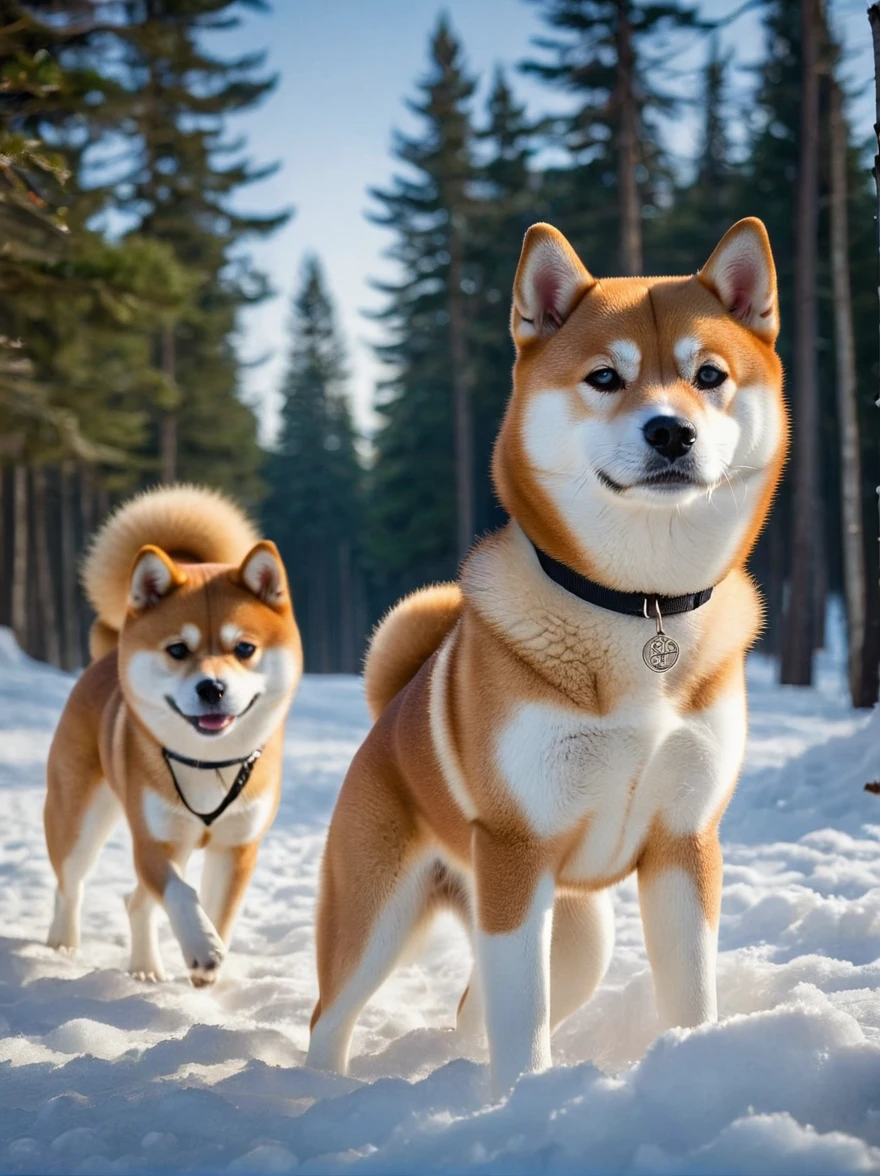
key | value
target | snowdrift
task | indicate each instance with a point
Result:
(101, 1074)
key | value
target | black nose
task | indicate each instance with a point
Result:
(670, 436)
(210, 690)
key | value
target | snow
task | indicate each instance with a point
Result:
(100, 1073)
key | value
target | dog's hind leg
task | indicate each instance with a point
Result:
(583, 939)
(74, 840)
(376, 886)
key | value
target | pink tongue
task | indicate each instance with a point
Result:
(214, 722)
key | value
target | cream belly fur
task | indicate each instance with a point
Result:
(524, 756)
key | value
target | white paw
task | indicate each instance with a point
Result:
(155, 976)
(202, 947)
(65, 949)
(204, 959)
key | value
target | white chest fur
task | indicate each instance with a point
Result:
(617, 773)
(244, 820)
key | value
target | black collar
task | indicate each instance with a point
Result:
(631, 604)
(238, 786)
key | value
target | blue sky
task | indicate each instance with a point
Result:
(346, 68)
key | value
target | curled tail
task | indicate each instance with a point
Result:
(191, 523)
(404, 640)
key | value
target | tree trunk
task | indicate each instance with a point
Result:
(20, 554)
(168, 427)
(776, 587)
(4, 573)
(874, 18)
(872, 628)
(628, 147)
(322, 613)
(797, 645)
(45, 586)
(820, 581)
(87, 523)
(347, 653)
(461, 397)
(847, 405)
(70, 644)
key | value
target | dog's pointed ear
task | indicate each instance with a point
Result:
(153, 575)
(550, 281)
(262, 573)
(741, 274)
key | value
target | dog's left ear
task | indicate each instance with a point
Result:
(741, 274)
(262, 573)
(550, 281)
(154, 575)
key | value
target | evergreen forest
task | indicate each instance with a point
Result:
(125, 266)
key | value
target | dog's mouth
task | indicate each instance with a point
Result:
(211, 722)
(667, 480)
(672, 480)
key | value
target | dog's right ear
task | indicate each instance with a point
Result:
(550, 281)
(153, 576)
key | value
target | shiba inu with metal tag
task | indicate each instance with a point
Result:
(574, 709)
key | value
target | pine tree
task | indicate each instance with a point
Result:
(423, 513)
(61, 286)
(600, 56)
(180, 185)
(684, 235)
(314, 507)
(68, 301)
(510, 201)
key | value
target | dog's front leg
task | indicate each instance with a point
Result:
(513, 937)
(202, 947)
(680, 898)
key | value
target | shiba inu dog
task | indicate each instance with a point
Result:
(178, 724)
(574, 709)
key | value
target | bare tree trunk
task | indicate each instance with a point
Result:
(628, 147)
(869, 684)
(874, 18)
(4, 573)
(20, 554)
(461, 397)
(322, 618)
(87, 523)
(797, 645)
(820, 581)
(847, 407)
(776, 588)
(71, 647)
(45, 586)
(347, 653)
(168, 427)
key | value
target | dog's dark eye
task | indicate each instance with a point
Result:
(178, 650)
(244, 650)
(710, 376)
(605, 379)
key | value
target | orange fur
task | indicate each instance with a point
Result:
(404, 640)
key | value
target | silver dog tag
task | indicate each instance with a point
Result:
(660, 653)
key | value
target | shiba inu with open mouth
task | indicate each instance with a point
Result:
(574, 709)
(178, 723)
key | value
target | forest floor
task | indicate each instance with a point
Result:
(100, 1073)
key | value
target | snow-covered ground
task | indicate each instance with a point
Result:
(99, 1073)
